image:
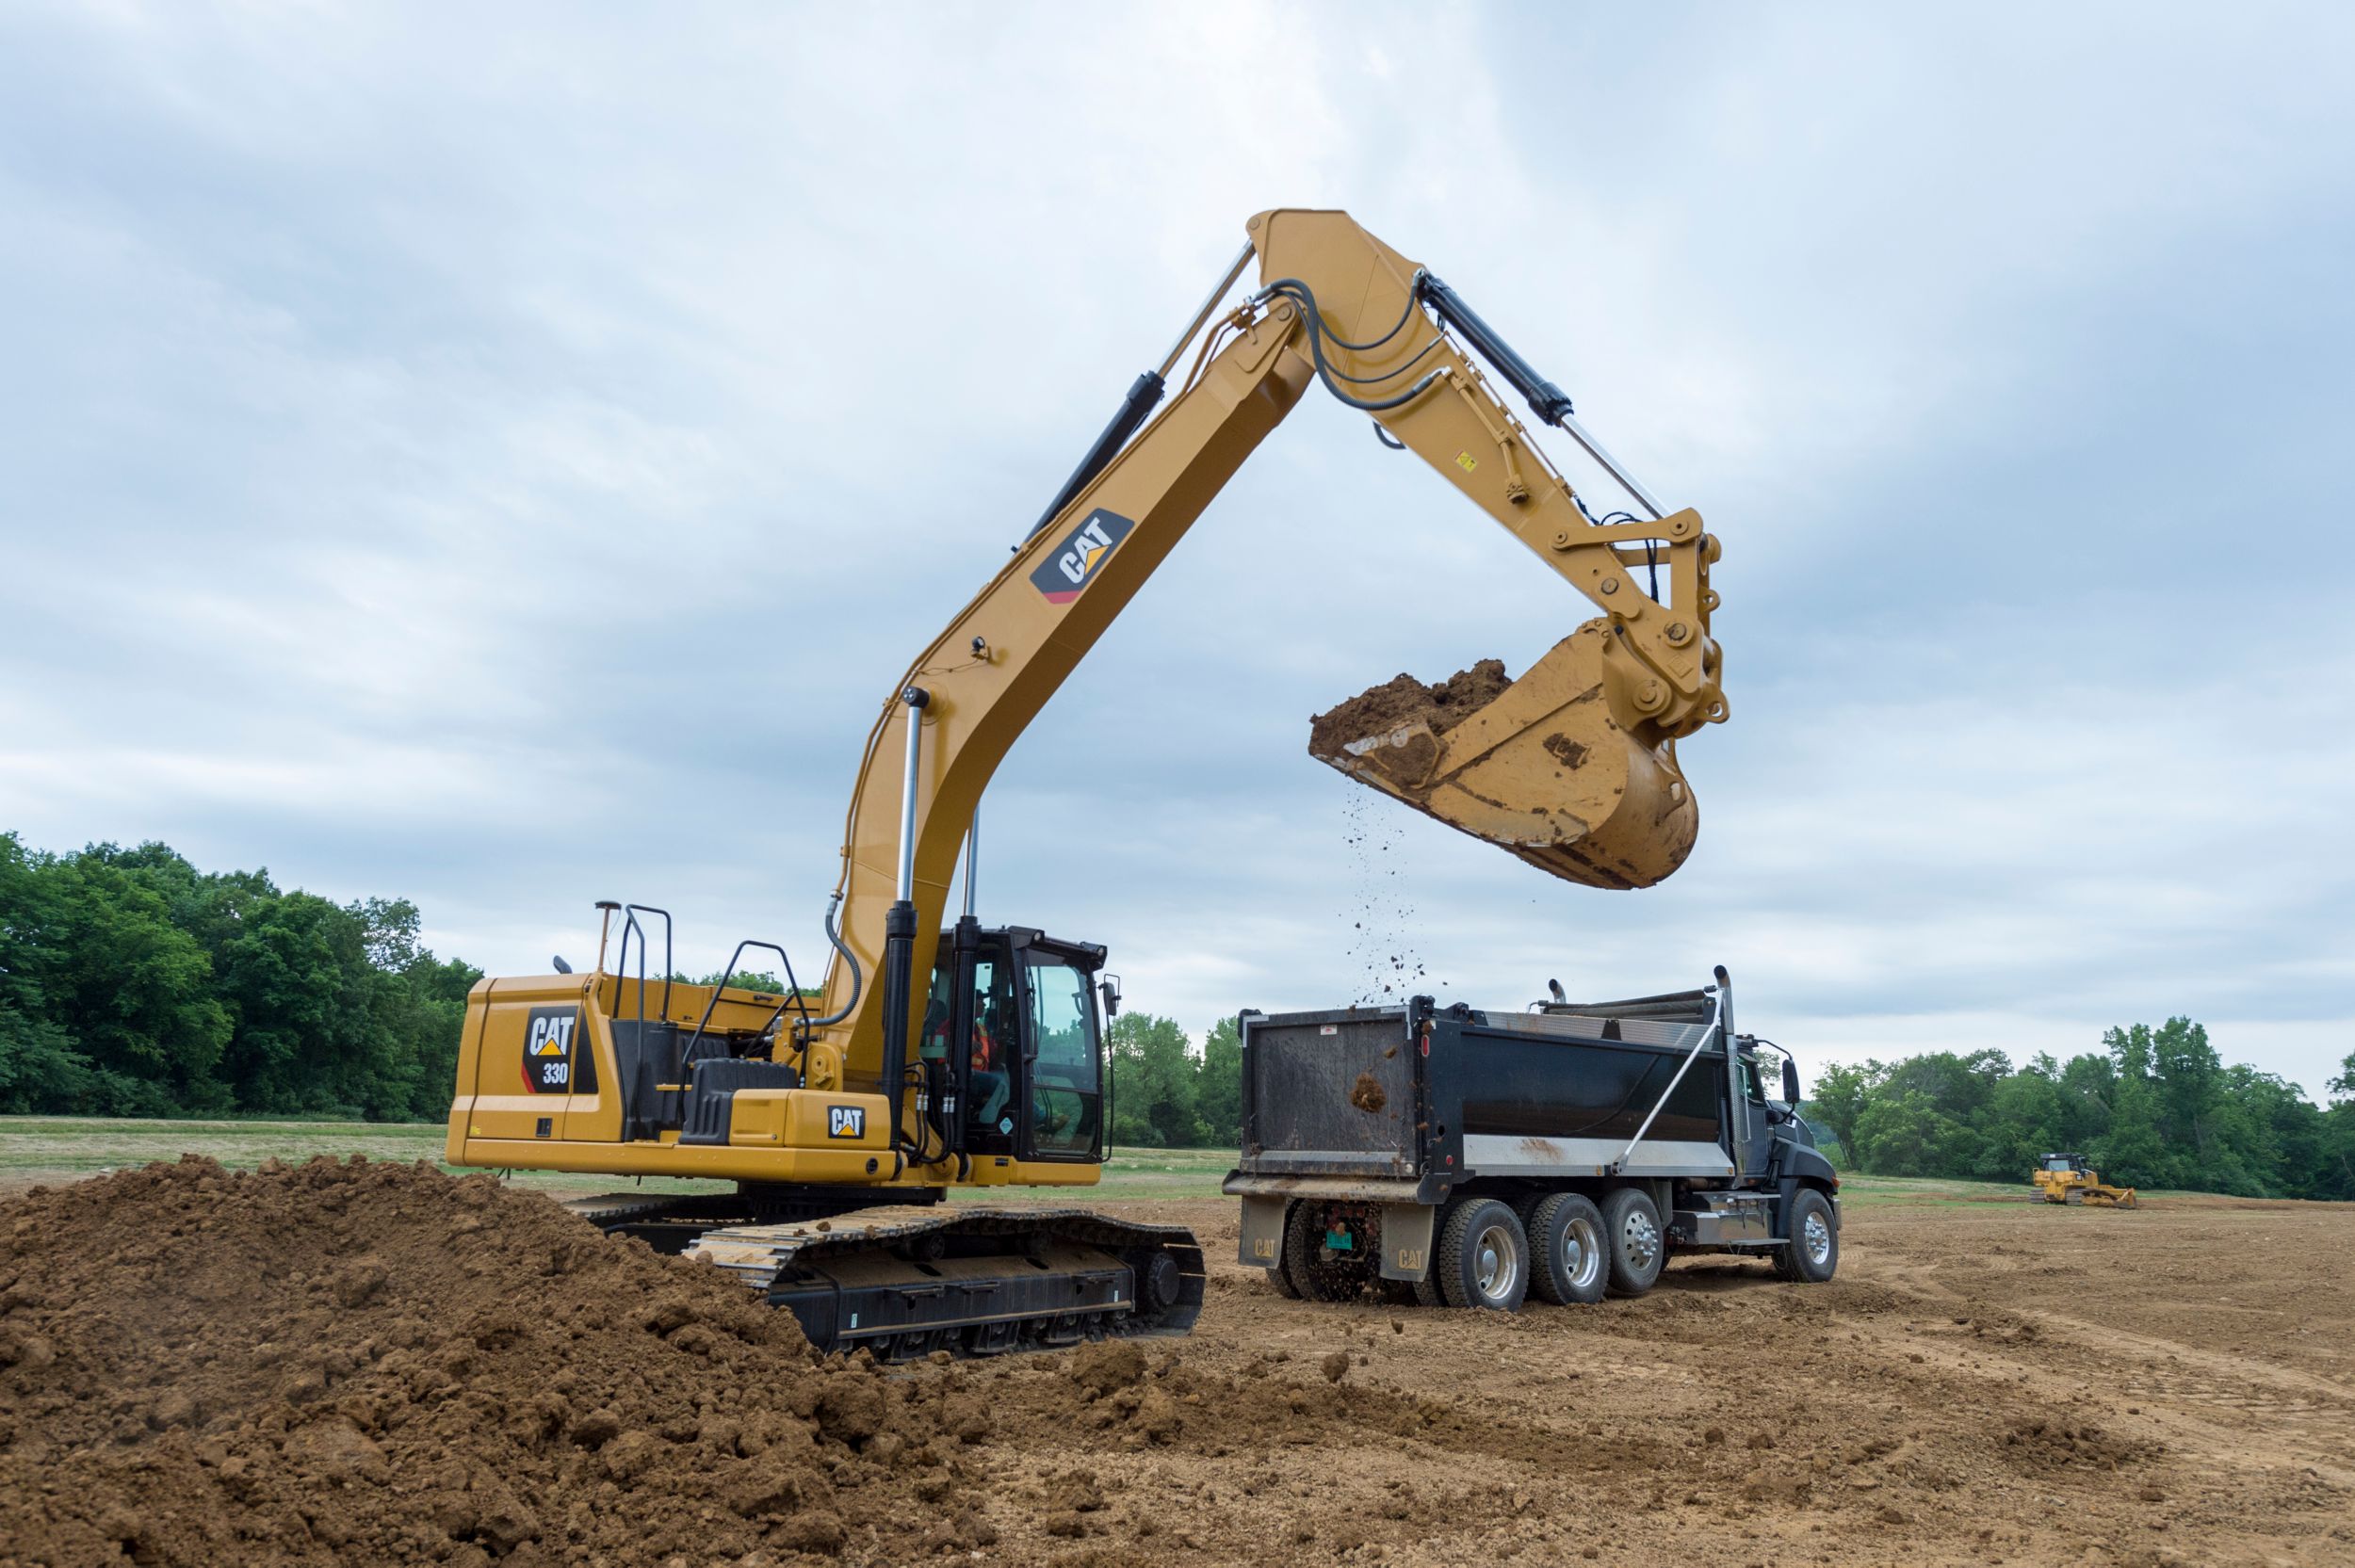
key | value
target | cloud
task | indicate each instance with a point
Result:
(505, 460)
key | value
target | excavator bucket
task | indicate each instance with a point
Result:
(1540, 766)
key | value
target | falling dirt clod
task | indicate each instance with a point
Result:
(1367, 1095)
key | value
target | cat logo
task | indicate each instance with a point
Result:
(548, 1053)
(846, 1120)
(1072, 565)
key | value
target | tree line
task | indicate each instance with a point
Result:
(1167, 1095)
(133, 984)
(2154, 1107)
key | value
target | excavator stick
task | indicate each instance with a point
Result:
(1548, 766)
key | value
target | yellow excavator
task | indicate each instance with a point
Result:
(2066, 1178)
(931, 1059)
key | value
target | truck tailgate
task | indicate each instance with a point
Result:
(1330, 1093)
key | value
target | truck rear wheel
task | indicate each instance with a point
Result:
(1281, 1275)
(1632, 1241)
(1318, 1271)
(1483, 1257)
(1566, 1240)
(1813, 1250)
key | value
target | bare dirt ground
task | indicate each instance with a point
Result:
(1985, 1383)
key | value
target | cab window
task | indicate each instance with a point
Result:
(1065, 1093)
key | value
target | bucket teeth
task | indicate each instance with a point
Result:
(1541, 766)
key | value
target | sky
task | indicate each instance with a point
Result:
(504, 457)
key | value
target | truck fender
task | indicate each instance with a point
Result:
(1808, 1167)
(1811, 1171)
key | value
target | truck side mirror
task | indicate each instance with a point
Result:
(1790, 1082)
(1109, 988)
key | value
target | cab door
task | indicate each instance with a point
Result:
(1758, 1132)
(1060, 1085)
(972, 1030)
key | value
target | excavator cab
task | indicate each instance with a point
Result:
(1010, 1062)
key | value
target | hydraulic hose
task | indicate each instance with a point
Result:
(835, 936)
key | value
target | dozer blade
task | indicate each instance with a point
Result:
(1540, 766)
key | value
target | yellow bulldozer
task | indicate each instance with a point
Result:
(2068, 1179)
(938, 1055)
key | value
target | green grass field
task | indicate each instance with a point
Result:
(38, 1149)
(35, 1149)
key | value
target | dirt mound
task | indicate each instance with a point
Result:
(1405, 700)
(340, 1363)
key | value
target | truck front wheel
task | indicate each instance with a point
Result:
(1483, 1257)
(1632, 1241)
(1813, 1250)
(1566, 1235)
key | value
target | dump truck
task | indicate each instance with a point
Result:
(2066, 1178)
(940, 1054)
(1452, 1156)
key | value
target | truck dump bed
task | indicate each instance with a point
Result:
(1407, 1094)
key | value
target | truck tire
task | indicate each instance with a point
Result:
(1483, 1258)
(1319, 1277)
(1567, 1263)
(1632, 1241)
(1281, 1275)
(1812, 1253)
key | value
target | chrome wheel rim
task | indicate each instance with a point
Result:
(1641, 1239)
(1817, 1236)
(1496, 1263)
(1581, 1255)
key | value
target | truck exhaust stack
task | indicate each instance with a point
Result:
(1556, 767)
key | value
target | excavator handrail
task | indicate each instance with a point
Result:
(792, 997)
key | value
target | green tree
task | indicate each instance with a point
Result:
(2026, 1119)
(1904, 1134)
(2135, 1151)
(1838, 1103)
(40, 1069)
(2335, 1139)
(132, 983)
(1154, 1077)
(1218, 1095)
(135, 991)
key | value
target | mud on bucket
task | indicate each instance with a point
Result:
(1551, 767)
